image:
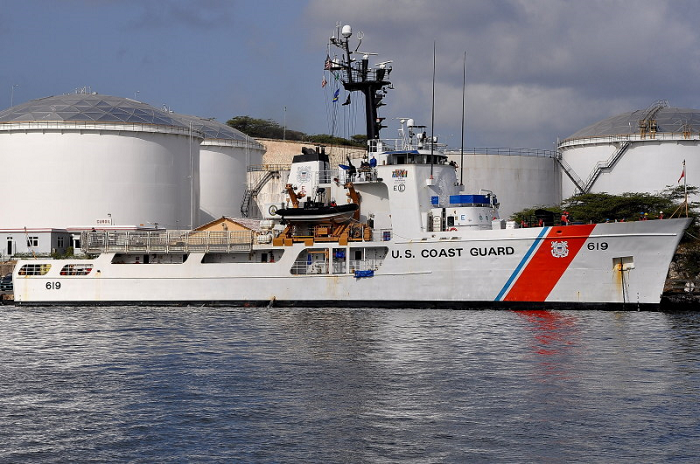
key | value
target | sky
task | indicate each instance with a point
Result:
(537, 71)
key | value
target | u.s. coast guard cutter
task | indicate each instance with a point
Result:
(404, 235)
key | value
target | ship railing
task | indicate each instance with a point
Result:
(363, 174)
(302, 267)
(382, 235)
(340, 175)
(180, 241)
(364, 265)
(324, 176)
(505, 151)
(357, 74)
(406, 144)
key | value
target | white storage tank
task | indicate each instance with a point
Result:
(72, 160)
(224, 157)
(520, 178)
(638, 151)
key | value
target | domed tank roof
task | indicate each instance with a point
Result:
(667, 119)
(88, 107)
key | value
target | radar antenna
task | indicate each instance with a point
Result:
(358, 76)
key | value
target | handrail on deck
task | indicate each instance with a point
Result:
(106, 241)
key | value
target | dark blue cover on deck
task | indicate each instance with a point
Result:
(368, 273)
(469, 199)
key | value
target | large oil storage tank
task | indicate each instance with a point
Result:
(520, 178)
(638, 151)
(224, 157)
(72, 160)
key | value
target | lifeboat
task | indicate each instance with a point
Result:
(317, 213)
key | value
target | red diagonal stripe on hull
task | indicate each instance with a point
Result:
(544, 269)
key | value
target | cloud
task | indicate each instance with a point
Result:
(201, 15)
(536, 70)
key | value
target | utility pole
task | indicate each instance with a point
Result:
(12, 95)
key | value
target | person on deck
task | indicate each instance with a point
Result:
(565, 218)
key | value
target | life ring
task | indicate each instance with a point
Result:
(452, 229)
(689, 287)
(272, 210)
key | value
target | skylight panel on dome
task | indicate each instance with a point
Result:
(120, 114)
(107, 117)
(76, 117)
(96, 116)
(103, 104)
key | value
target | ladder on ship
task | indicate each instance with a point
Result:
(251, 193)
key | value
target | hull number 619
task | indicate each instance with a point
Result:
(595, 246)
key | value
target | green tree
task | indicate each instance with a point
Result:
(269, 129)
(602, 207)
(359, 139)
(332, 140)
(263, 128)
(528, 216)
(255, 127)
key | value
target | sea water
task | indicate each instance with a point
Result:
(183, 384)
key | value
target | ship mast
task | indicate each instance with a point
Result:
(357, 76)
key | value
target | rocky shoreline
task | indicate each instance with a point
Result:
(680, 301)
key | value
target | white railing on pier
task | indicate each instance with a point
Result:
(171, 241)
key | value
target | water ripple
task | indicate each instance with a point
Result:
(325, 385)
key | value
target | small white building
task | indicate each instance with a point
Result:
(47, 241)
(33, 242)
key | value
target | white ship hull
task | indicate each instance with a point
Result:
(415, 240)
(603, 265)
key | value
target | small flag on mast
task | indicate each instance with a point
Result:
(682, 173)
(324, 82)
(335, 95)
